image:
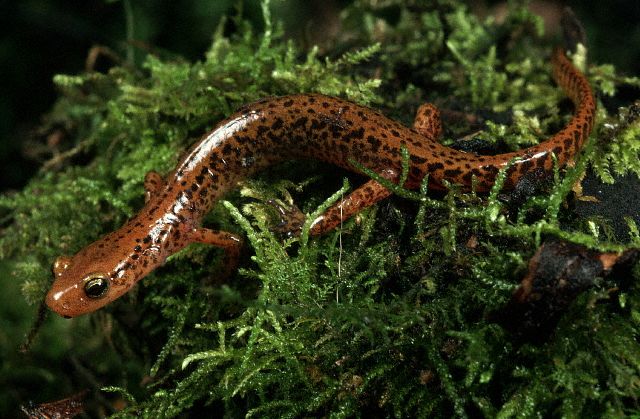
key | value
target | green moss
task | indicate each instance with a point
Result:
(388, 315)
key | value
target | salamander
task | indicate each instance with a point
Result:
(302, 126)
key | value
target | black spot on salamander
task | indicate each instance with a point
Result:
(325, 105)
(135, 257)
(467, 178)
(138, 248)
(277, 124)
(226, 150)
(273, 138)
(353, 135)
(585, 130)
(288, 103)
(540, 161)
(100, 245)
(200, 179)
(262, 129)
(183, 183)
(525, 166)
(417, 160)
(374, 142)
(146, 240)
(557, 150)
(241, 139)
(576, 135)
(493, 170)
(336, 131)
(452, 172)
(300, 122)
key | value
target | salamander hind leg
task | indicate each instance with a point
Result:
(427, 121)
(361, 198)
(153, 182)
(229, 242)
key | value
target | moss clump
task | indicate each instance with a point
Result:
(389, 314)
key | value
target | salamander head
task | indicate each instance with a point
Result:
(90, 279)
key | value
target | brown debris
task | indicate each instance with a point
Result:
(60, 409)
(557, 274)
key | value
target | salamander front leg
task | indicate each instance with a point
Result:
(427, 121)
(153, 182)
(229, 242)
(363, 197)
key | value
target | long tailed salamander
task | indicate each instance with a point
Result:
(304, 126)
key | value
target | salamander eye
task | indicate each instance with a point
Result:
(96, 285)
